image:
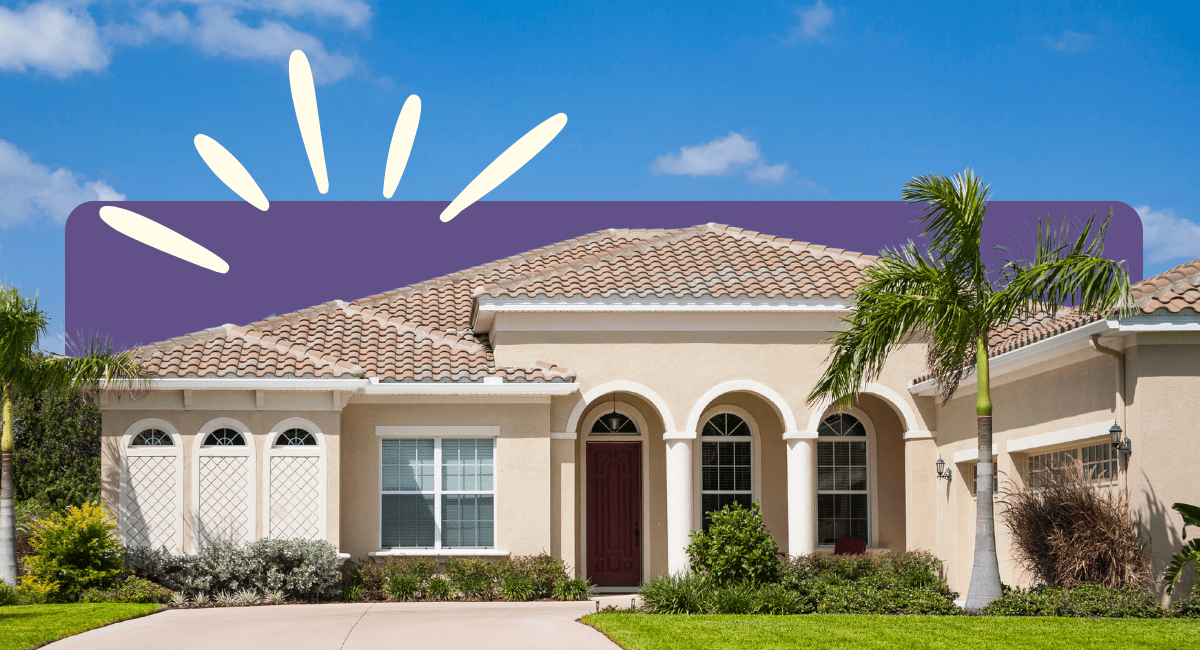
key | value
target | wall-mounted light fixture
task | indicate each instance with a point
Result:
(1114, 434)
(942, 470)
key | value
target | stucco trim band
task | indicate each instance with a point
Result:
(1066, 436)
(971, 455)
(436, 431)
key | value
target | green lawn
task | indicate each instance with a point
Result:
(651, 632)
(29, 626)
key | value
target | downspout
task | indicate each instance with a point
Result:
(1119, 355)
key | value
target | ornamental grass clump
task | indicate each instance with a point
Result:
(1069, 532)
(736, 548)
(74, 550)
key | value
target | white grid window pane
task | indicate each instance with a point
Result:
(468, 520)
(467, 465)
(408, 520)
(407, 465)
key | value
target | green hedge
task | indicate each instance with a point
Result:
(1081, 601)
(516, 579)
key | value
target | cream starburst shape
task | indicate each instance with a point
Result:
(234, 175)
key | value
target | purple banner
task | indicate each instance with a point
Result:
(303, 253)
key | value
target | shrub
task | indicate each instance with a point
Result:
(542, 571)
(686, 594)
(1070, 532)
(438, 588)
(304, 570)
(572, 589)
(1188, 607)
(472, 577)
(737, 548)
(881, 594)
(131, 590)
(8, 595)
(778, 599)
(517, 587)
(734, 599)
(1081, 601)
(355, 593)
(32, 591)
(915, 568)
(403, 586)
(376, 576)
(56, 461)
(75, 550)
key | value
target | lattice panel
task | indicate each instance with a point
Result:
(295, 497)
(152, 515)
(224, 504)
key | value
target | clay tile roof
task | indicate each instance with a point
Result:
(1173, 291)
(423, 332)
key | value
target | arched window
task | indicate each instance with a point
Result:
(152, 438)
(726, 470)
(614, 423)
(224, 437)
(843, 484)
(295, 438)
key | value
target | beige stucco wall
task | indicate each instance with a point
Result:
(523, 469)
(119, 416)
(1164, 467)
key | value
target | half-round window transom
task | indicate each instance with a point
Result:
(152, 438)
(841, 424)
(295, 438)
(614, 423)
(225, 437)
(726, 424)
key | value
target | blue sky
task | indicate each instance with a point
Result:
(733, 101)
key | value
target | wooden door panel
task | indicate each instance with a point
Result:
(614, 537)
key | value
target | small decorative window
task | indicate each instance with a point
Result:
(1097, 464)
(152, 438)
(295, 438)
(614, 423)
(224, 437)
(843, 488)
(726, 466)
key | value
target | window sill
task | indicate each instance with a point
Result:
(445, 552)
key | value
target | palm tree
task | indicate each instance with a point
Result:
(26, 369)
(947, 295)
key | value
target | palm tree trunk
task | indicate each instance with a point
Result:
(985, 574)
(8, 529)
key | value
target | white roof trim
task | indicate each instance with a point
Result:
(1064, 437)
(1029, 355)
(662, 305)
(370, 386)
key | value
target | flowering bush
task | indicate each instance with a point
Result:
(74, 550)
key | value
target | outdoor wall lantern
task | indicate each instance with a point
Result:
(614, 419)
(942, 470)
(1123, 446)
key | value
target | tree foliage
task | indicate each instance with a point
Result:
(57, 461)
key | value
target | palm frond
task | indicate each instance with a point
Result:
(904, 295)
(99, 367)
(1065, 271)
(953, 219)
(21, 324)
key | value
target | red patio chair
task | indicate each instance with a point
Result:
(849, 546)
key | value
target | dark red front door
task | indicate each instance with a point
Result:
(614, 514)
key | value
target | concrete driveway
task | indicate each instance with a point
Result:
(355, 626)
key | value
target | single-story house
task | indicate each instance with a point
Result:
(594, 399)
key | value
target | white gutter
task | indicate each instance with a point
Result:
(370, 386)
(1032, 354)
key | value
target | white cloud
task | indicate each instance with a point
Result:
(30, 191)
(814, 21)
(1070, 42)
(52, 39)
(48, 37)
(767, 175)
(724, 156)
(717, 158)
(1167, 236)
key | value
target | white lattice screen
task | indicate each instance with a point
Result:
(152, 516)
(295, 497)
(224, 512)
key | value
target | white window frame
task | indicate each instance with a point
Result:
(755, 457)
(441, 433)
(129, 451)
(871, 491)
(271, 451)
(248, 451)
(1076, 453)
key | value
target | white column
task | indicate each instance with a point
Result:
(679, 500)
(802, 492)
